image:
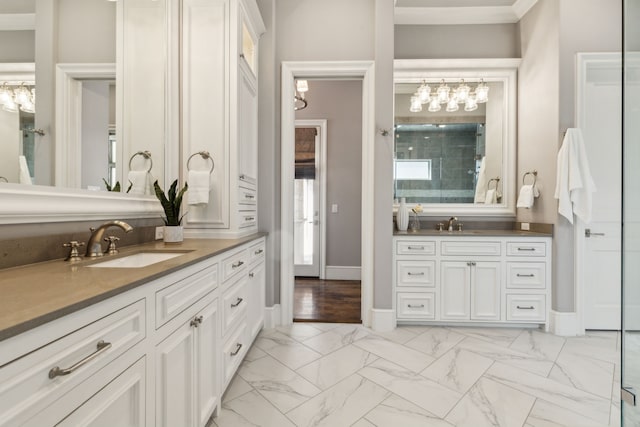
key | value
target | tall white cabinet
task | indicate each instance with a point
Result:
(219, 93)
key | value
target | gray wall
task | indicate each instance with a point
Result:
(340, 103)
(86, 31)
(457, 41)
(95, 133)
(17, 46)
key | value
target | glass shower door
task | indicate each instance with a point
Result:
(630, 380)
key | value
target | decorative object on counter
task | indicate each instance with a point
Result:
(402, 217)
(415, 223)
(528, 192)
(74, 256)
(200, 180)
(173, 232)
(140, 180)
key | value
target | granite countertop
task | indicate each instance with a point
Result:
(35, 294)
(468, 233)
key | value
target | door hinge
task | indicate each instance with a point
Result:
(628, 395)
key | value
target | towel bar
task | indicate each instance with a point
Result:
(535, 176)
(146, 154)
(205, 155)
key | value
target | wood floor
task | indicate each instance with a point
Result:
(330, 301)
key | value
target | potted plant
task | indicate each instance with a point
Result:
(171, 204)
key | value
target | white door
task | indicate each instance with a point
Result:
(485, 290)
(598, 243)
(306, 228)
(454, 290)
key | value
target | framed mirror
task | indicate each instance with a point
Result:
(455, 135)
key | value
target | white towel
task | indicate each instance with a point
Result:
(527, 196)
(491, 197)
(25, 176)
(481, 184)
(198, 187)
(141, 182)
(574, 185)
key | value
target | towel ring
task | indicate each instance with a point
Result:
(535, 177)
(147, 155)
(497, 180)
(205, 155)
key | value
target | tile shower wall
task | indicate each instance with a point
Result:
(452, 151)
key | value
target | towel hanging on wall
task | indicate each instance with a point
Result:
(527, 196)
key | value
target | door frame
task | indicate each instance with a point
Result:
(584, 61)
(326, 69)
(321, 169)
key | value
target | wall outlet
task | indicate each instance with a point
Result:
(524, 226)
(159, 233)
(334, 208)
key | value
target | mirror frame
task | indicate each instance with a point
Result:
(491, 70)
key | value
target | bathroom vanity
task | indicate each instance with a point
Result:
(141, 345)
(480, 276)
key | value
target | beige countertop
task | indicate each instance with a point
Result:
(468, 233)
(35, 294)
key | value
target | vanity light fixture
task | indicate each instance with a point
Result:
(299, 101)
(416, 105)
(445, 95)
(22, 97)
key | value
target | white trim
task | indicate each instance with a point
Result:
(322, 172)
(383, 320)
(18, 72)
(584, 61)
(564, 324)
(17, 21)
(521, 7)
(338, 272)
(68, 156)
(272, 316)
(337, 69)
(463, 15)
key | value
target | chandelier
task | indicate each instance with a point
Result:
(22, 97)
(450, 97)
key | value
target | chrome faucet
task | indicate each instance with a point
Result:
(450, 223)
(94, 247)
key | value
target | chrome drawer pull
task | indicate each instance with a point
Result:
(242, 176)
(525, 308)
(526, 249)
(249, 196)
(237, 350)
(101, 348)
(237, 303)
(415, 274)
(416, 248)
(237, 264)
(258, 252)
(196, 321)
(251, 275)
(249, 218)
(415, 306)
(525, 275)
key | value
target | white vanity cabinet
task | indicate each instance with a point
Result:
(219, 48)
(453, 278)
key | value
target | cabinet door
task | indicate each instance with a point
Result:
(485, 291)
(175, 386)
(247, 125)
(121, 403)
(454, 290)
(207, 362)
(256, 295)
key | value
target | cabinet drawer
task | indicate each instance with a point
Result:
(526, 249)
(415, 247)
(526, 307)
(234, 264)
(234, 304)
(36, 380)
(256, 252)
(526, 275)
(247, 218)
(415, 305)
(470, 248)
(415, 273)
(173, 299)
(233, 352)
(247, 196)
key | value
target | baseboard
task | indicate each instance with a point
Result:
(335, 272)
(564, 324)
(272, 316)
(383, 320)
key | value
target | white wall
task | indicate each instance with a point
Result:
(17, 46)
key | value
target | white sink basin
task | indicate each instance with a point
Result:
(140, 259)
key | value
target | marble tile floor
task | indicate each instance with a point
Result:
(318, 374)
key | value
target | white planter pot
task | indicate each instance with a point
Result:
(173, 234)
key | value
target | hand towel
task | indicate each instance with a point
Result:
(574, 186)
(141, 182)
(527, 196)
(481, 184)
(25, 176)
(491, 198)
(198, 187)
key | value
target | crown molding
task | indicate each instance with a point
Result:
(463, 15)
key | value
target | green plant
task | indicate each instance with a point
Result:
(171, 205)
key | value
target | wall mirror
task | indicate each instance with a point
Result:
(75, 43)
(455, 135)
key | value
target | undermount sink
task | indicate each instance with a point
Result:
(137, 260)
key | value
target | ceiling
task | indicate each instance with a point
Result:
(460, 12)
